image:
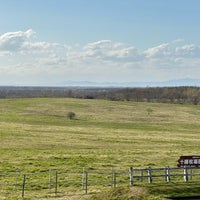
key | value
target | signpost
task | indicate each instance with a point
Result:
(189, 161)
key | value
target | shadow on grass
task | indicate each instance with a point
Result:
(186, 198)
(176, 190)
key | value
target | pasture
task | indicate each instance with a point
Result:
(36, 135)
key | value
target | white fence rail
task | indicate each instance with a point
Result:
(167, 174)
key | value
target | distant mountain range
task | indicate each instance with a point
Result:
(170, 83)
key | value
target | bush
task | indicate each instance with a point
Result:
(71, 115)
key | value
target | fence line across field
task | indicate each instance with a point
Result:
(55, 181)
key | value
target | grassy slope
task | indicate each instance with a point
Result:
(36, 135)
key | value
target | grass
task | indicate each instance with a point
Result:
(123, 193)
(36, 135)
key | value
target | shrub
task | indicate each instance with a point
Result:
(71, 115)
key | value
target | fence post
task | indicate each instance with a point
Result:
(23, 185)
(16, 182)
(56, 185)
(86, 182)
(150, 175)
(114, 179)
(185, 174)
(83, 176)
(50, 180)
(167, 172)
(131, 176)
(141, 175)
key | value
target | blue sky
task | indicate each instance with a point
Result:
(53, 41)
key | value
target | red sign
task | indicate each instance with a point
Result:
(189, 161)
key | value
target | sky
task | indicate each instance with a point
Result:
(51, 42)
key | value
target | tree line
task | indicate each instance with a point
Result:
(182, 95)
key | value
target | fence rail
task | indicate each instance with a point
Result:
(54, 182)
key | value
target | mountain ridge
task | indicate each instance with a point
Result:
(171, 83)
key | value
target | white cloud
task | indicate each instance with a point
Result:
(107, 49)
(188, 51)
(160, 51)
(14, 41)
(20, 42)
(24, 58)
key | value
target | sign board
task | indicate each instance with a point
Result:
(189, 161)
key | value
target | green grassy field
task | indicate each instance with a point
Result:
(36, 135)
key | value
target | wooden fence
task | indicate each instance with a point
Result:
(53, 182)
(167, 174)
